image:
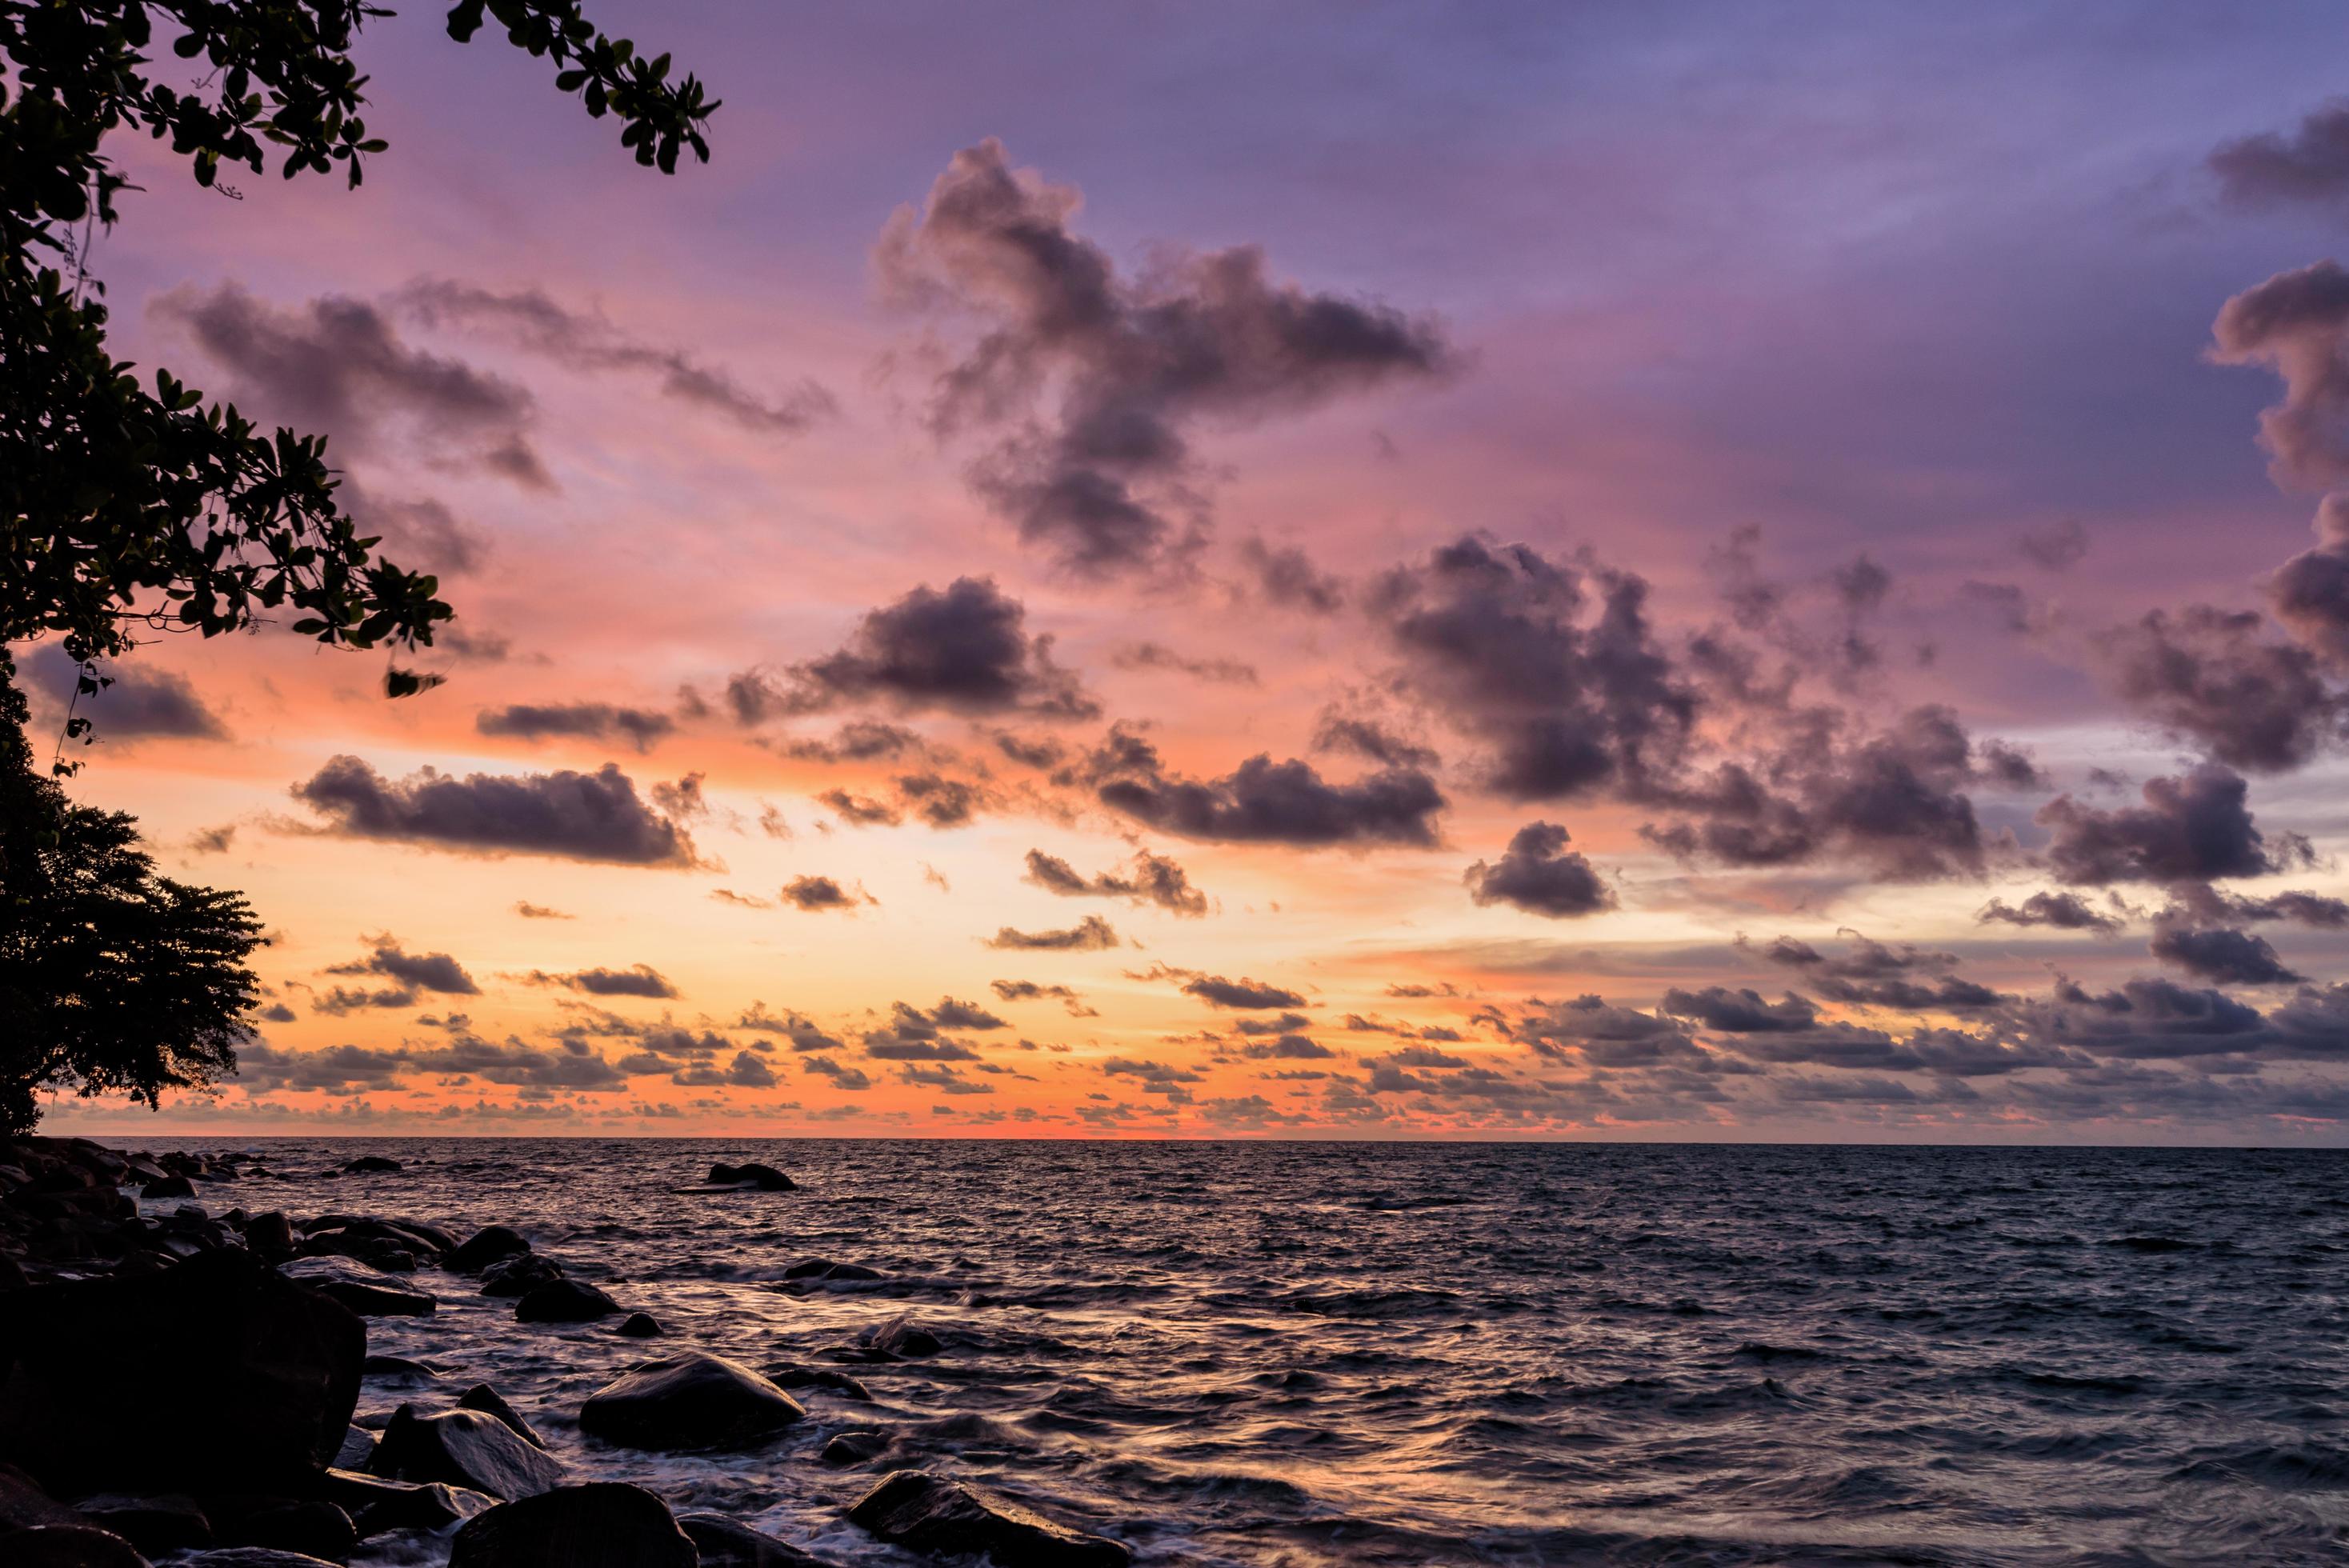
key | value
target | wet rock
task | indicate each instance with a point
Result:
(606, 1524)
(311, 1529)
(760, 1178)
(900, 1338)
(463, 1448)
(855, 1447)
(564, 1301)
(726, 1544)
(369, 1292)
(378, 1505)
(486, 1246)
(12, 1274)
(366, 1164)
(271, 1235)
(391, 1257)
(253, 1557)
(792, 1376)
(23, 1504)
(154, 1524)
(520, 1275)
(826, 1268)
(218, 1374)
(397, 1369)
(926, 1512)
(170, 1187)
(358, 1451)
(489, 1402)
(689, 1401)
(71, 1546)
(641, 1326)
(408, 1235)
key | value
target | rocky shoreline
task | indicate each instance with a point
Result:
(181, 1388)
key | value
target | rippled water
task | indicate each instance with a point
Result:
(1308, 1354)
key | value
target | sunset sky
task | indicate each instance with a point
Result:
(1363, 571)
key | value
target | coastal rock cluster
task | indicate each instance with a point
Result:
(180, 1385)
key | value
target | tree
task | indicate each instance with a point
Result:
(125, 509)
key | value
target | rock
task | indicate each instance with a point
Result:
(827, 1269)
(855, 1447)
(489, 1402)
(410, 1235)
(689, 1401)
(764, 1178)
(217, 1374)
(463, 1448)
(12, 1274)
(252, 1557)
(641, 1326)
(378, 1505)
(564, 1301)
(271, 1235)
(358, 1451)
(726, 1544)
(925, 1512)
(391, 1257)
(366, 1290)
(520, 1275)
(170, 1187)
(154, 1524)
(486, 1246)
(71, 1546)
(606, 1524)
(901, 1337)
(791, 1375)
(366, 1164)
(397, 1369)
(23, 1504)
(308, 1528)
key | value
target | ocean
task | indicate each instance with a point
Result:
(1306, 1354)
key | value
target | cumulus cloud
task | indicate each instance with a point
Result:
(2220, 953)
(576, 816)
(1870, 973)
(2293, 325)
(1104, 478)
(339, 365)
(132, 702)
(1242, 993)
(2309, 165)
(2310, 592)
(414, 970)
(965, 650)
(1147, 878)
(584, 340)
(1266, 801)
(815, 894)
(638, 980)
(2211, 677)
(1286, 576)
(1090, 935)
(2192, 828)
(585, 720)
(1033, 991)
(2061, 911)
(1540, 875)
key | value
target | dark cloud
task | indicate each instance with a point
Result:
(2213, 678)
(638, 980)
(2152, 1018)
(2062, 911)
(965, 650)
(2293, 325)
(861, 810)
(1031, 991)
(132, 703)
(850, 1078)
(574, 1065)
(2311, 164)
(941, 801)
(1132, 365)
(1371, 739)
(1740, 1012)
(418, 531)
(530, 911)
(745, 1071)
(1266, 801)
(345, 999)
(1870, 973)
(1287, 1047)
(576, 816)
(2192, 828)
(1538, 875)
(1088, 936)
(858, 740)
(1029, 751)
(2200, 901)
(414, 970)
(262, 1069)
(1158, 656)
(1285, 575)
(586, 721)
(339, 365)
(2220, 953)
(2310, 592)
(817, 893)
(586, 341)
(1147, 878)
(1241, 995)
(2056, 547)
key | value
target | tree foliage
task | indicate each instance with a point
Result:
(130, 503)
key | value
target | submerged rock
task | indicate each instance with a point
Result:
(71, 1546)
(489, 1402)
(172, 1523)
(170, 1187)
(378, 1504)
(369, 1292)
(641, 1326)
(726, 1544)
(792, 1376)
(900, 1338)
(689, 1401)
(463, 1448)
(486, 1246)
(925, 1512)
(519, 1275)
(366, 1164)
(855, 1447)
(218, 1374)
(605, 1524)
(564, 1301)
(750, 1178)
(310, 1529)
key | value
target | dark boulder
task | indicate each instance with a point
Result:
(271, 1235)
(310, 1529)
(606, 1524)
(900, 1338)
(170, 1187)
(790, 1375)
(23, 1504)
(564, 1301)
(520, 1275)
(253, 1557)
(218, 1374)
(411, 1235)
(369, 1292)
(854, 1448)
(367, 1164)
(689, 1401)
(71, 1546)
(358, 1451)
(486, 1246)
(397, 1369)
(489, 1402)
(641, 1326)
(378, 1505)
(929, 1514)
(172, 1523)
(463, 1448)
(750, 1178)
(726, 1544)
